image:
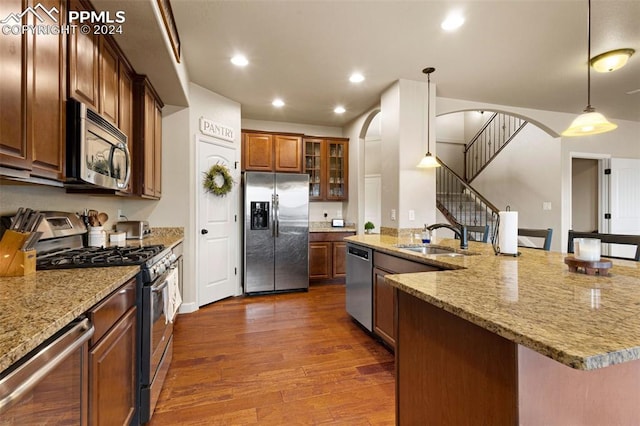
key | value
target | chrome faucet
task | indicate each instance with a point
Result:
(461, 232)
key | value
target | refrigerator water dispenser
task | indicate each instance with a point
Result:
(259, 215)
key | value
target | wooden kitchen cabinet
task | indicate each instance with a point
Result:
(84, 62)
(32, 104)
(108, 81)
(288, 154)
(327, 256)
(320, 260)
(147, 149)
(112, 358)
(268, 152)
(326, 162)
(385, 295)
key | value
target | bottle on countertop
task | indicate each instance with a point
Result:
(426, 235)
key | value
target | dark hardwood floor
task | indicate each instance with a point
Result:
(294, 358)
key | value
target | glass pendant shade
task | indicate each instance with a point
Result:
(428, 161)
(612, 60)
(589, 123)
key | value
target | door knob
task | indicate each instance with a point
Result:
(204, 231)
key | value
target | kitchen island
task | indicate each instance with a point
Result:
(508, 340)
(35, 307)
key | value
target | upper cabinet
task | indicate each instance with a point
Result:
(33, 90)
(84, 62)
(147, 147)
(266, 152)
(326, 162)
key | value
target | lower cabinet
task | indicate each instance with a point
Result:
(112, 358)
(384, 295)
(327, 256)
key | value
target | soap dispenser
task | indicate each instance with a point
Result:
(426, 235)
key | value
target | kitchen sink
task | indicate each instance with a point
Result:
(428, 250)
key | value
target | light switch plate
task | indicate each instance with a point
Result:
(412, 215)
(546, 205)
(393, 214)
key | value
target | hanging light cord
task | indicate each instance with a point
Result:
(589, 108)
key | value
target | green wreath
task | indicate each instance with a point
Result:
(211, 179)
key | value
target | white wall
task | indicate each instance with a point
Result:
(524, 176)
(584, 197)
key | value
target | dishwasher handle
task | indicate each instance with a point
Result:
(24, 378)
(361, 253)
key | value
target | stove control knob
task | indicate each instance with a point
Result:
(161, 269)
(172, 258)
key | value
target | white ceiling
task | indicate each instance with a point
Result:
(521, 53)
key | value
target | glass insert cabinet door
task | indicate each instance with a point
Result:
(313, 149)
(336, 184)
(326, 164)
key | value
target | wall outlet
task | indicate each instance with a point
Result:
(393, 214)
(338, 214)
(546, 205)
(119, 214)
(412, 215)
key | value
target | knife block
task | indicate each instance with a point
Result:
(13, 261)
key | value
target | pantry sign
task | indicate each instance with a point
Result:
(217, 130)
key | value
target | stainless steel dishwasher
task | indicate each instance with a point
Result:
(360, 284)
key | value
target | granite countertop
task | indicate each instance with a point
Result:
(585, 322)
(326, 227)
(33, 308)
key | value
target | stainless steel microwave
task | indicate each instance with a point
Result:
(97, 152)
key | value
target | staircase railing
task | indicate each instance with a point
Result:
(460, 203)
(494, 135)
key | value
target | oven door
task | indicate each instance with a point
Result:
(50, 385)
(156, 351)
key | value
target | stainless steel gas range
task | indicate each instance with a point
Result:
(62, 248)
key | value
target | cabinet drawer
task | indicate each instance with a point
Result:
(329, 236)
(110, 310)
(398, 265)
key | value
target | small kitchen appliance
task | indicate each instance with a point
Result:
(97, 152)
(134, 229)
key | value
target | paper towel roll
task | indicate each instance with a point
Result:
(508, 232)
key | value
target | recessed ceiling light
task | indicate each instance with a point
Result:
(339, 110)
(278, 103)
(240, 61)
(452, 22)
(356, 77)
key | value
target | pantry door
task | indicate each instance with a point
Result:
(217, 225)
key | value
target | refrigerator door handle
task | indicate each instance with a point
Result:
(273, 215)
(276, 208)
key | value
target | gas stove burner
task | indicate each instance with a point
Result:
(91, 257)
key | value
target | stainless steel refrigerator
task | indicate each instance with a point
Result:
(276, 232)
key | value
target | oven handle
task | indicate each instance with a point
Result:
(161, 287)
(24, 378)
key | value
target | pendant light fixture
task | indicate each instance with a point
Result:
(591, 122)
(428, 161)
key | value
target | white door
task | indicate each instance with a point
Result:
(217, 227)
(625, 202)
